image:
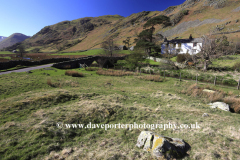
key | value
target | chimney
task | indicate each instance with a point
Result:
(190, 37)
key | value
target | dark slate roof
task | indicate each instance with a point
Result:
(194, 40)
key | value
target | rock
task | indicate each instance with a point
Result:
(131, 48)
(220, 105)
(209, 91)
(29, 72)
(205, 115)
(162, 146)
(103, 144)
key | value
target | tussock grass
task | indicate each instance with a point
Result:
(73, 74)
(111, 72)
(155, 78)
(30, 113)
(219, 95)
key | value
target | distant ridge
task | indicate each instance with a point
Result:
(11, 40)
(2, 38)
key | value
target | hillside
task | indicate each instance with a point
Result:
(194, 17)
(2, 38)
(13, 39)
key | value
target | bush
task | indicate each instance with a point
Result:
(230, 82)
(181, 58)
(237, 66)
(73, 74)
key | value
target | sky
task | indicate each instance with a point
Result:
(30, 16)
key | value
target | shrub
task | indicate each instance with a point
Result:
(181, 58)
(237, 66)
(230, 82)
(73, 74)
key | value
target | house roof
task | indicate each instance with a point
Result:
(194, 40)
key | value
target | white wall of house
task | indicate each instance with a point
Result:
(183, 48)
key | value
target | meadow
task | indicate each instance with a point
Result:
(31, 105)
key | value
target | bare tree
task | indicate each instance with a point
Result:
(21, 49)
(109, 46)
(212, 49)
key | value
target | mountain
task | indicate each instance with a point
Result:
(196, 17)
(2, 38)
(13, 39)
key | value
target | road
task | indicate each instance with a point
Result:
(27, 69)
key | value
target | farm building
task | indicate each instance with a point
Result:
(182, 46)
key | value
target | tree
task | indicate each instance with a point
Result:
(145, 38)
(126, 42)
(212, 49)
(108, 46)
(21, 49)
(135, 58)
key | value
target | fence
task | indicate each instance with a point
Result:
(209, 79)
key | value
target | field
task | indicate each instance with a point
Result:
(94, 52)
(6, 52)
(31, 105)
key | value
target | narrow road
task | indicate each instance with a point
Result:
(27, 69)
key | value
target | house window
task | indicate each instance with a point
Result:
(174, 45)
(179, 45)
(194, 50)
(194, 44)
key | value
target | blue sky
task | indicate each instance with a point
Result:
(30, 16)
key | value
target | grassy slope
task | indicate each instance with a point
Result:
(30, 110)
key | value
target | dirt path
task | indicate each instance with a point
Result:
(27, 69)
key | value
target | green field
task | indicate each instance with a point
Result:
(6, 52)
(226, 61)
(32, 104)
(7, 57)
(93, 52)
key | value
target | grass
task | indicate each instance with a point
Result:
(6, 52)
(30, 107)
(174, 59)
(226, 61)
(92, 52)
(7, 57)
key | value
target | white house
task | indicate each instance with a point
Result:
(182, 46)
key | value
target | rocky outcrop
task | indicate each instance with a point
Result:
(215, 3)
(161, 146)
(186, 25)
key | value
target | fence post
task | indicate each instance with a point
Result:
(238, 84)
(215, 80)
(196, 78)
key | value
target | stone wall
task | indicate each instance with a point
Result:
(11, 64)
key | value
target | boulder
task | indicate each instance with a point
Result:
(131, 48)
(209, 91)
(220, 105)
(205, 115)
(161, 146)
